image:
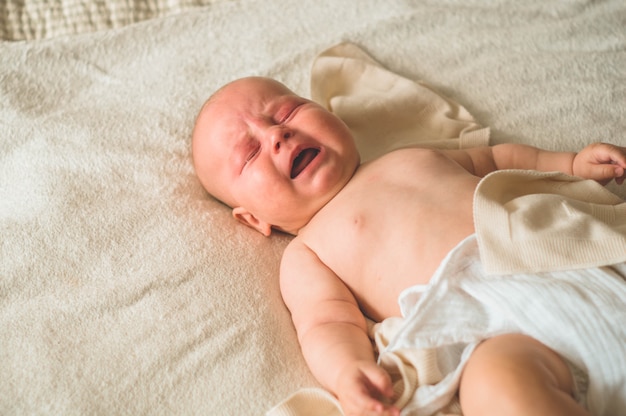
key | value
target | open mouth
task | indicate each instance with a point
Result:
(302, 161)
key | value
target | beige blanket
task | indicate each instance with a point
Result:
(124, 288)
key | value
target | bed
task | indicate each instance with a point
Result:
(124, 287)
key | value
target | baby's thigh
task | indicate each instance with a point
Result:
(508, 373)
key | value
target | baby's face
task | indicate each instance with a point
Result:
(273, 156)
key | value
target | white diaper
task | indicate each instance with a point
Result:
(581, 314)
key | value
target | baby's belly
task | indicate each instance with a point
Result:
(395, 263)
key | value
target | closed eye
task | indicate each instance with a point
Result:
(284, 118)
(252, 154)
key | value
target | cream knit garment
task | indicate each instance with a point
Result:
(385, 111)
(530, 221)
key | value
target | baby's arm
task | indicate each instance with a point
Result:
(333, 334)
(599, 161)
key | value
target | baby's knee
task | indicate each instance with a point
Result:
(509, 373)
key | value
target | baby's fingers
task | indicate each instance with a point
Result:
(619, 178)
(605, 173)
(362, 403)
(608, 153)
(381, 388)
(366, 392)
(601, 162)
(380, 381)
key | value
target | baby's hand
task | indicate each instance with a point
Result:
(601, 162)
(361, 389)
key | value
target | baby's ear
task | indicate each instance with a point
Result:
(246, 217)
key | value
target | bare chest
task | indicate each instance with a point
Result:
(385, 234)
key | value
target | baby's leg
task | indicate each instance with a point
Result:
(515, 374)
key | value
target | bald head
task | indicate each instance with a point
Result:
(278, 156)
(207, 156)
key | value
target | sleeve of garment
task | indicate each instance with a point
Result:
(528, 221)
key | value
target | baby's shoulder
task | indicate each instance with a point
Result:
(414, 161)
(296, 252)
(410, 155)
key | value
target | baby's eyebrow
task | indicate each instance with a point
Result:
(278, 104)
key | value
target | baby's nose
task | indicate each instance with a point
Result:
(279, 137)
